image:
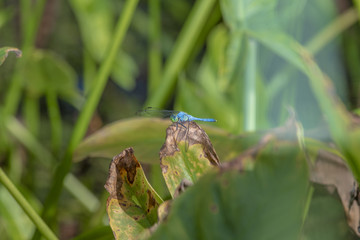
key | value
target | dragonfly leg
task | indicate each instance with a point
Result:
(187, 137)
(182, 124)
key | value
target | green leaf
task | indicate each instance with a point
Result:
(266, 203)
(185, 42)
(146, 136)
(345, 133)
(186, 155)
(132, 204)
(4, 52)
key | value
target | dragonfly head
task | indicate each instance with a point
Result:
(174, 118)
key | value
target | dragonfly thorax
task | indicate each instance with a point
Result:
(179, 117)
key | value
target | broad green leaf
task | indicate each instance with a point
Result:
(4, 52)
(147, 135)
(186, 155)
(231, 203)
(132, 204)
(345, 134)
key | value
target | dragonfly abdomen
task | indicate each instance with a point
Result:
(202, 119)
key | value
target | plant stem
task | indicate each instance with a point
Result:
(181, 51)
(85, 116)
(250, 87)
(55, 120)
(102, 76)
(155, 58)
(25, 205)
(334, 29)
(31, 114)
(72, 184)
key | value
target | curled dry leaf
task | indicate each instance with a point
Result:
(132, 204)
(186, 154)
(194, 134)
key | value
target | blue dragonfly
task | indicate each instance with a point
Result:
(177, 117)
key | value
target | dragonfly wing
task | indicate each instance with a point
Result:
(154, 112)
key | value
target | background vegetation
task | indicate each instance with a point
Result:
(87, 64)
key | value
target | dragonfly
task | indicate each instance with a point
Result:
(177, 117)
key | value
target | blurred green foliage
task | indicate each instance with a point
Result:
(88, 63)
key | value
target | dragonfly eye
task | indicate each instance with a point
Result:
(174, 118)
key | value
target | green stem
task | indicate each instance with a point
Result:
(103, 74)
(250, 87)
(72, 184)
(334, 29)
(25, 16)
(155, 61)
(25, 205)
(17, 130)
(182, 49)
(55, 120)
(30, 21)
(31, 114)
(155, 58)
(14, 91)
(308, 204)
(89, 72)
(80, 192)
(89, 108)
(213, 20)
